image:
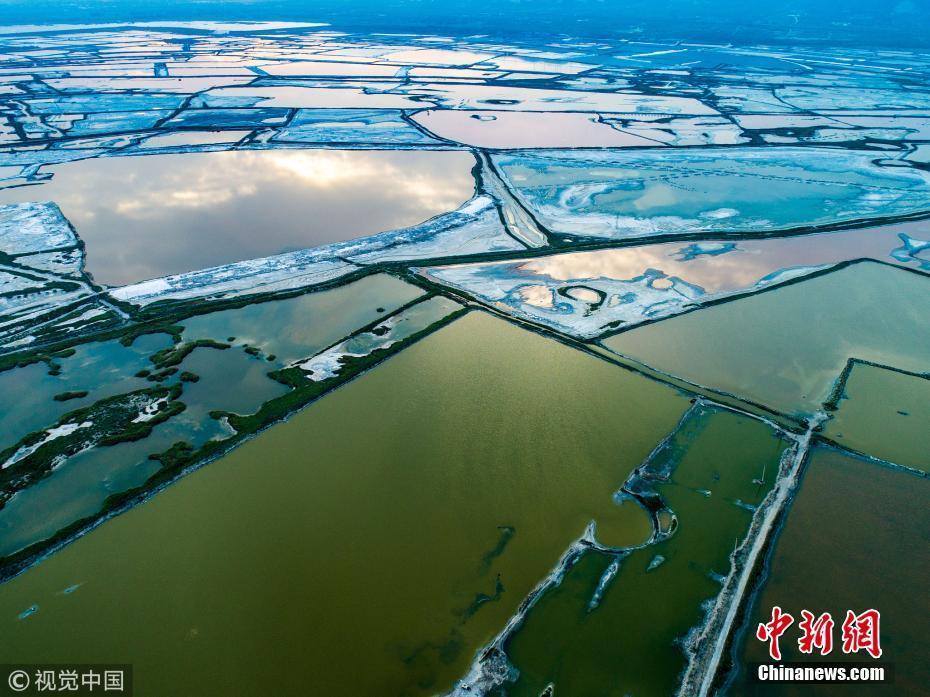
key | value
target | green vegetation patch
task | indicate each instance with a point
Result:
(174, 355)
(65, 396)
(117, 419)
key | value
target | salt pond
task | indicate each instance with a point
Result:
(166, 214)
(884, 413)
(614, 631)
(855, 539)
(262, 337)
(334, 524)
(785, 347)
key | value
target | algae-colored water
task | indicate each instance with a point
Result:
(371, 544)
(229, 380)
(855, 538)
(886, 414)
(786, 347)
(627, 644)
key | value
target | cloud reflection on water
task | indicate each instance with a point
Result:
(144, 217)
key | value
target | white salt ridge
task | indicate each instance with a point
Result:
(33, 227)
(42, 233)
(328, 363)
(472, 228)
(50, 435)
(149, 410)
(504, 285)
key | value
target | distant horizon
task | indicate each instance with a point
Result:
(846, 22)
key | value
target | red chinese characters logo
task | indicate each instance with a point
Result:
(860, 632)
(817, 633)
(772, 631)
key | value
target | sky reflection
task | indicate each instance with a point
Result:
(744, 265)
(144, 217)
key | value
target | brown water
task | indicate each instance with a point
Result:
(855, 538)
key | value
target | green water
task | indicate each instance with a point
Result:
(855, 538)
(409, 322)
(369, 545)
(230, 380)
(885, 414)
(626, 645)
(299, 327)
(786, 347)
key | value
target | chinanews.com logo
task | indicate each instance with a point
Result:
(860, 633)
